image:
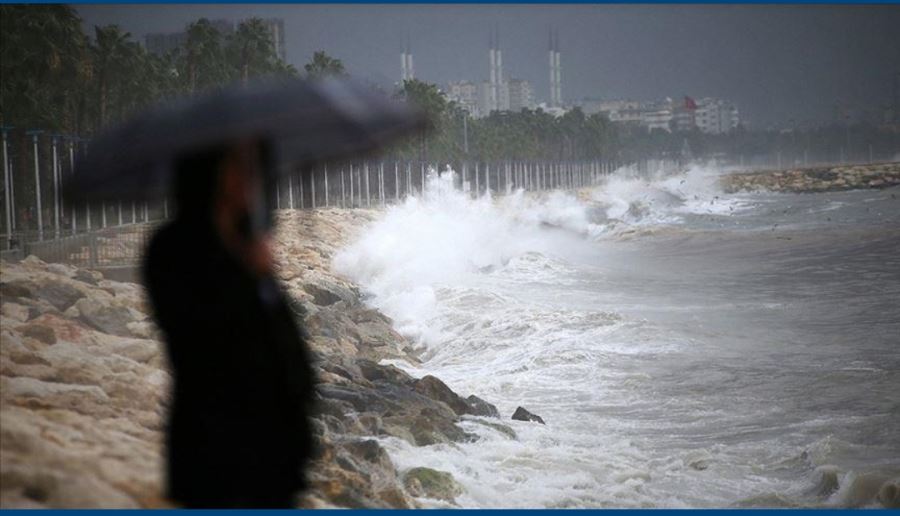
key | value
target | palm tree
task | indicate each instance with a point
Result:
(203, 62)
(252, 51)
(42, 57)
(323, 65)
(109, 53)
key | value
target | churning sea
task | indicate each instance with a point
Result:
(686, 348)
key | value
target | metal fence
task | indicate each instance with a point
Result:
(38, 221)
(371, 184)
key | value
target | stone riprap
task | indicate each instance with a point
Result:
(815, 179)
(84, 385)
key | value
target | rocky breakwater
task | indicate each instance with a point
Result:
(815, 179)
(84, 384)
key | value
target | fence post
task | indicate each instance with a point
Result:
(343, 192)
(381, 182)
(351, 185)
(120, 213)
(37, 183)
(302, 197)
(92, 250)
(396, 182)
(368, 199)
(325, 168)
(477, 173)
(359, 194)
(55, 189)
(7, 184)
(290, 191)
(312, 187)
(72, 172)
(422, 166)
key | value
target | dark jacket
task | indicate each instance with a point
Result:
(238, 432)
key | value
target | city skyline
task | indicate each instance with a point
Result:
(777, 63)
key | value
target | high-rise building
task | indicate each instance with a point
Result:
(464, 93)
(520, 94)
(684, 116)
(276, 29)
(716, 116)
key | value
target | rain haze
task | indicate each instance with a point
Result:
(777, 63)
(450, 256)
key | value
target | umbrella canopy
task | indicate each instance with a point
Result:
(306, 122)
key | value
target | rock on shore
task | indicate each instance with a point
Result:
(84, 385)
(815, 179)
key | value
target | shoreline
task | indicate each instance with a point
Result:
(83, 385)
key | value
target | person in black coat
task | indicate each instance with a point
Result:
(238, 433)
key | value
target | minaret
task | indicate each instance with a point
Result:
(497, 92)
(492, 58)
(559, 101)
(406, 63)
(552, 56)
(555, 70)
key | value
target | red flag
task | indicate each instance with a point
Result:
(689, 103)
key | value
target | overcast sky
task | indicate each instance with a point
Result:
(777, 63)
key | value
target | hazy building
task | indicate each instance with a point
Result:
(520, 94)
(684, 116)
(626, 115)
(589, 106)
(485, 100)
(594, 106)
(492, 97)
(716, 116)
(276, 28)
(464, 93)
(162, 43)
(657, 119)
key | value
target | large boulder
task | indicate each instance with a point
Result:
(59, 294)
(479, 407)
(107, 318)
(435, 389)
(523, 415)
(432, 483)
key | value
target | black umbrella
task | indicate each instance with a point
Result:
(306, 121)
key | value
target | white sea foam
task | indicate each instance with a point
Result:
(513, 299)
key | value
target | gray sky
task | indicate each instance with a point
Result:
(776, 62)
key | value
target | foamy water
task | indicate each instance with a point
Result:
(687, 348)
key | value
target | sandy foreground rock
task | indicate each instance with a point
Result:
(84, 384)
